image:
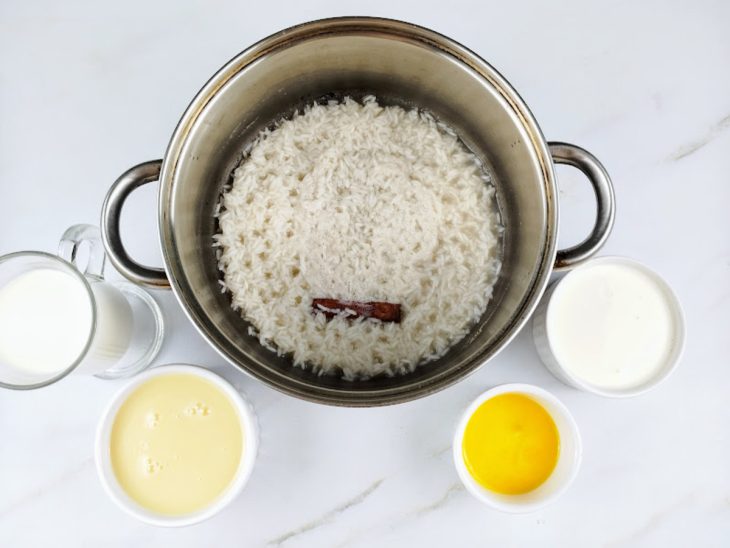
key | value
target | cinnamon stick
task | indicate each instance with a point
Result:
(378, 310)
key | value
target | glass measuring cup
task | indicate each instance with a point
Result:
(56, 318)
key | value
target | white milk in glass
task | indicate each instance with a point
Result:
(47, 319)
(114, 323)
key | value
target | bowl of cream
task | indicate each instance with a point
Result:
(176, 445)
(611, 326)
(517, 448)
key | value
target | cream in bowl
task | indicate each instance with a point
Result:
(176, 445)
(517, 448)
(612, 327)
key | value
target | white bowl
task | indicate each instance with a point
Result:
(566, 468)
(541, 333)
(103, 455)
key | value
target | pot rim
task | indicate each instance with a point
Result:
(355, 25)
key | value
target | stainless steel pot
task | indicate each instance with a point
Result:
(401, 64)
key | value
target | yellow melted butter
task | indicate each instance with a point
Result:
(511, 444)
(176, 444)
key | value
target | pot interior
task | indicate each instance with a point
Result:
(399, 64)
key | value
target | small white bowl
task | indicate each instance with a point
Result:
(541, 332)
(103, 455)
(566, 469)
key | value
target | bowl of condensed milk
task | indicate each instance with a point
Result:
(611, 326)
(176, 445)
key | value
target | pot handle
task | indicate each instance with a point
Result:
(572, 155)
(129, 181)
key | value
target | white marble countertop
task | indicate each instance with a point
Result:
(87, 91)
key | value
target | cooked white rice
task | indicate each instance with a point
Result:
(359, 202)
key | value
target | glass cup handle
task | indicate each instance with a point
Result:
(69, 246)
